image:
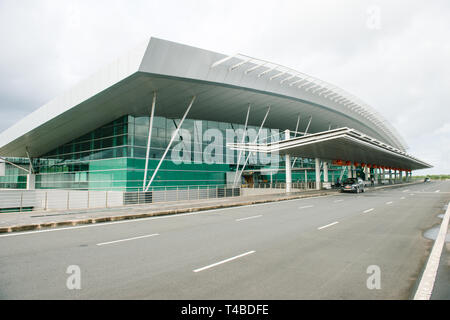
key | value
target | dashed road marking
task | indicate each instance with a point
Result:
(129, 239)
(248, 218)
(224, 261)
(328, 225)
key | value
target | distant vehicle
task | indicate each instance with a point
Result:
(352, 185)
(427, 180)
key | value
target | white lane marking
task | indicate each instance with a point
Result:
(390, 202)
(103, 224)
(411, 194)
(432, 192)
(338, 200)
(437, 190)
(224, 261)
(328, 225)
(306, 207)
(128, 239)
(402, 198)
(425, 288)
(406, 190)
(368, 210)
(252, 217)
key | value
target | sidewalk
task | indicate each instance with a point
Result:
(36, 220)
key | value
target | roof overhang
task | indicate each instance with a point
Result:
(339, 144)
(177, 72)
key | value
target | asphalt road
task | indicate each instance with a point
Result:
(314, 248)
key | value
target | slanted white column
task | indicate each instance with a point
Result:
(317, 174)
(170, 143)
(149, 140)
(288, 165)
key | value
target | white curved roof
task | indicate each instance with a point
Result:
(224, 86)
(290, 77)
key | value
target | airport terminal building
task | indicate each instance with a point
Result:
(168, 115)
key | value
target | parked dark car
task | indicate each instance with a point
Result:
(352, 185)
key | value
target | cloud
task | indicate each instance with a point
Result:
(400, 68)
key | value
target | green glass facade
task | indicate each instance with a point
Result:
(113, 157)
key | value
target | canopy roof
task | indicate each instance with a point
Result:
(340, 144)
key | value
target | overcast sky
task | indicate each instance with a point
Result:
(394, 55)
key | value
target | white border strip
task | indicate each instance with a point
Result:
(425, 288)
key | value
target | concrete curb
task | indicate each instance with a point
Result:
(71, 223)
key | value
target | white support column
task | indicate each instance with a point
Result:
(401, 176)
(288, 165)
(325, 171)
(317, 174)
(307, 127)
(149, 140)
(390, 176)
(244, 134)
(31, 177)
(295, 135)
(366, 173)
(170, 143)
(326, 183)
(256, 140)
(31, 181)
(350, 171)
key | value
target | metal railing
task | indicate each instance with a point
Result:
(165, 194)
(57, 199)
(27, 200)
(282, 185)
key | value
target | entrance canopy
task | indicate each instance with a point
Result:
(343, 145)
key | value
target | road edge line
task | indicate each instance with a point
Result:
(426, 284)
